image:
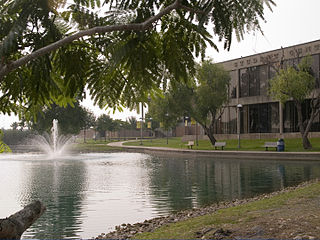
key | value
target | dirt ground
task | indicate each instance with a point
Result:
(295, 220)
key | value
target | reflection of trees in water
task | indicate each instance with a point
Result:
(177, 183)
(180, 184)
(60, 186)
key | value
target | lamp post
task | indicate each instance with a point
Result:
(141, 123)
(239, 106)
(167, 115)
(186, 125)
(197, 139)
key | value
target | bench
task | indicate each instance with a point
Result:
(190, 144)
(270, 144)
(219, 144)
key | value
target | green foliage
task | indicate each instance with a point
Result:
(163, 110)
(293, 82)
(16, 137)
(4, 148)
(71, 119)
(119, 68)
(210, 94)
(105, 123)
(202, 99)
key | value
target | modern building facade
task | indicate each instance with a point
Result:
(251, 111)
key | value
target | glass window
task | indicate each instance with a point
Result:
(254, 81)
(316, 69)
(244, 83)
(264, 83)
(232, 116)
(233, 84)
(261, 118)
(250, 81)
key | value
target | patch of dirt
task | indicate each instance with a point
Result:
(298, 220)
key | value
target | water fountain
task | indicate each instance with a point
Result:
(52, 144)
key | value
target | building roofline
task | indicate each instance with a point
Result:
(270, 51)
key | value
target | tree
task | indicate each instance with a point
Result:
(89, 121)
(132, 123)
(71, 119)
(105, 123)
(4, 148)
(297, 83)
(205, 100)
(202, 98)
(162, 109)
(50, 52)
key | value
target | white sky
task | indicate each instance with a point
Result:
(291, 22)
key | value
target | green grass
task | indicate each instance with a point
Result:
(291, 144)
(93, 146)
(245, 213)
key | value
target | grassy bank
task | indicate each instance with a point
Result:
(280, 216)
(93, 146)
(291, 145)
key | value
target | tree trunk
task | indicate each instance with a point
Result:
(14, 226)
(305, 142)
(209, 132)
(304, 134)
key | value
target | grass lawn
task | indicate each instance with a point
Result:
(93, 146)
(244, 216)
(291, 144)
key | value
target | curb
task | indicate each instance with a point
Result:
(252, 155)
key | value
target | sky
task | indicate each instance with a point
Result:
(291, 22)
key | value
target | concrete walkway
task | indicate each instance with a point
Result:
(254, 155)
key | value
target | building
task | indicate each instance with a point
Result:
(259, 115)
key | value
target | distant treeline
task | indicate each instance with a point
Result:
(17, 137)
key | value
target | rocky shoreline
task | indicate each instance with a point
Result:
(126, 231)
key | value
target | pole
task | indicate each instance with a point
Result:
(197, 140)
(239, 106)
(167, 135)
(141, 123)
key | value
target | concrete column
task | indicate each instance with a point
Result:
(281, 118)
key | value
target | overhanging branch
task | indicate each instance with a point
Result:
(7, 68)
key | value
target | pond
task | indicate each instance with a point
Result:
(88, 194)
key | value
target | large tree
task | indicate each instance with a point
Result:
(163, 109)
(50, 50)
(105, 123)
(297, 83)
(203, 99)
(71, 119)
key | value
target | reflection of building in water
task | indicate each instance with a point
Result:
(227, 178)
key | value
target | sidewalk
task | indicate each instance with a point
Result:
(253, 155)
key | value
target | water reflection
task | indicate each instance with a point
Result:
(177, 183)
(91, 193)
(60, 186)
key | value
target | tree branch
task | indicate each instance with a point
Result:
(6, 69)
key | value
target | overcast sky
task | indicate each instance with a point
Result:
(291, 22)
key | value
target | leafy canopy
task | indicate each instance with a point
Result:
(121, 50)
(203, 98)
(296, 82)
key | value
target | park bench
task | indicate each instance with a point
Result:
(270, 145)
(190, 144)
(219, 144)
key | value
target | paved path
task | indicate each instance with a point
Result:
(262, 155)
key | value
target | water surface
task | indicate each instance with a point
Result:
(91, 193)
